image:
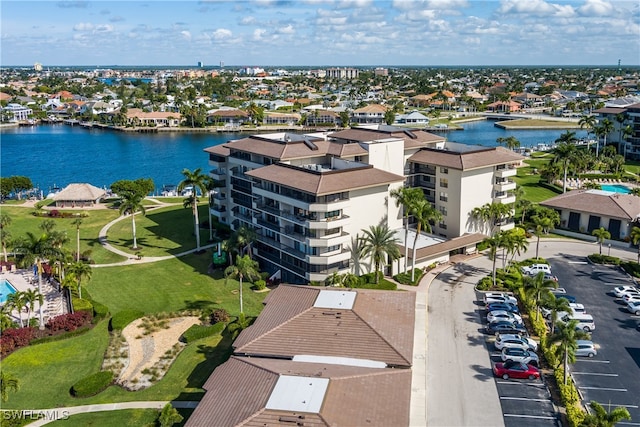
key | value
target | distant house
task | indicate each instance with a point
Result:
(583, 211)
(137, 117)
(322, 117)
(79, 196)
(504, 106)
(369, 114)
(228, 117)
(16, 112)
(414, 118)
(274, 118)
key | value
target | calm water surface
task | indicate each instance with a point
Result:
(61, 154)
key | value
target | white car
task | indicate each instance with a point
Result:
(519, 355)
(490, 297)
(573, 306)
(620, 291)
(631, 297)
(515, 341)
(585, 348)
(494, 316)
(634, 307)
(532, 270)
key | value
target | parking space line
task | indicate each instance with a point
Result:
(539, 417)
(615, 405)
(594, 373)
(524, 398)
(604, 388)
(522, 383)
(593, 361)
(628, 424)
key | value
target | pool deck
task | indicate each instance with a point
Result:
(23, 280)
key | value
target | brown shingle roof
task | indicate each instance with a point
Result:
(372, 108)
(378, 327)
(238, 392)
(221, 150)
(625, 206)
(446, 246)
(467, 160)
(323, 183)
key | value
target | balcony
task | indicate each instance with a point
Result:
(218, 174)
(270, 225)
(342, 238)
(505, 225)
(504, 186)
(328, 223)
(218, 209)
(504, 199)
(335, 257)
(506, 172)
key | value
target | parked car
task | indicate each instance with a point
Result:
(515, 341)
(575, 308)
(505, 327)
(557, 291)
(549, 276)
(585, 348)
(532, 270)
(512, 308)
(631, 297)
(620, 291)
(569, 298)
(633, 307)
(521, 370)
(519, 355)
(499, 297)
(503, 315)
(585, 321)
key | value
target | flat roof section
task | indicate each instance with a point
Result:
(298, 394)
(332, 299)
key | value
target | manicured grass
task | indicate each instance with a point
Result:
(535, 123)
(125, 417)
(171, 285)
(529, 182)
(163, 231)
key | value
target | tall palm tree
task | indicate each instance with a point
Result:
(198, 181)
(601, 418)
(603, 129)
(36, 250)
(565, 338)
(77, 222)
(16, 301)
(7, 382)
(493, 244)
(490, 214)
(601, 234)
(538, 288)
(5, 221)
(80, 271)
(635, 238)
(556, 305)
(30, 297)
(516, 242)
(542, 225)
(511, 142)
(564, 154)
(131, 203)
(587, 122)
(244, 267)
(423, 212)
(356, 253)
(379, 243)
(406, 197)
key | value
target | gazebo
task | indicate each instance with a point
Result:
(79, 196)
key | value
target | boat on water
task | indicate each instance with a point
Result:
(169, 191)
(53, 191)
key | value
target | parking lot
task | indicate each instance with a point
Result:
(612, 377)
(523, 402)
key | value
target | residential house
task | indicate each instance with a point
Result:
(504, 106)
(369, 114)
(275, 118)
(16, 112)
(413, 118)
(229, 117)
(137, 117)
(319, 117)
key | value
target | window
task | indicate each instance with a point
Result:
(444, 197)
(444, 170)
(444, 183)
(443, 210)
(442, 225)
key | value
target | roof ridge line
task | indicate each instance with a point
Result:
(409, 362)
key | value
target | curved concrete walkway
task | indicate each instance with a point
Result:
(53, 414)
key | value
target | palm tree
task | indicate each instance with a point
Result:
(30, 297)
(516, 242)
(406, 197)
(635, 238)
(244, 267)
(601, 418)
(602, 130)
(77, 222)
(564, 154)
(565, 338)
(5, 221)
(81, 271)
(198, 181)
(7, 382)
(335, 279)
(556, 305)
(601, 234)
(567, 137)
(538, 289)
(15, 301)
(490, 214)
(511, 142)
(543, 224)
(423, 212)
(35, 251)
(350, 280)
(588, 122)
(379, 243)
(493, 244)
(131, 203)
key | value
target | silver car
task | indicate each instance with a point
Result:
(515, 341)
(585, 348)
(520, 355)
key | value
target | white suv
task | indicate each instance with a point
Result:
(534, 269)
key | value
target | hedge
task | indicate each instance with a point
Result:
(100, 311)
(405, 278)
(123, 318)
(81, 304)
(604, 259)
(81, 330)
(93, 384)
(632, 268)
(196, 332)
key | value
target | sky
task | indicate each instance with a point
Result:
(267, 33)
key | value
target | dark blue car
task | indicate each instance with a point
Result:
(505, 327)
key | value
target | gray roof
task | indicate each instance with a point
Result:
(605, 203)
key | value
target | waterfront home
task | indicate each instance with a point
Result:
(275, 118)
(79, 196)
(504, 106)
(137, 117)
(16, 112)
(413, 118)
(369, 114)
(319, 117)
(226, 116)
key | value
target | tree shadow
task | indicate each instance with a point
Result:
(214, 357)
(476, 340)
(483, 373)
(474, 316)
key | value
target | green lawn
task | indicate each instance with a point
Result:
(123, 418)
(529, 181)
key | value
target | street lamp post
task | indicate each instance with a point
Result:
(609, 250)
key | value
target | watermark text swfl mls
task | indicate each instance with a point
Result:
(36, 414)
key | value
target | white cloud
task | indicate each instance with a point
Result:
(83, 26)
(247, 20)
(103, 28)
(258, 34)
(221, 34)
(596, 8)
(287, 30)
(186, 35)
(535, 8)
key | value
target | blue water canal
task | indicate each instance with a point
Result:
(61, 154)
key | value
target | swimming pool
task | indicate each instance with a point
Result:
(622, 189)
(6, 288)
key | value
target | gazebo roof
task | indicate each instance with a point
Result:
(79, 193)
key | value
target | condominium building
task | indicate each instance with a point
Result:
(309, 196)
(625, 132)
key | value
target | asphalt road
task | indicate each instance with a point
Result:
(461, 389)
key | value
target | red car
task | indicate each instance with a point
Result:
(511, 369)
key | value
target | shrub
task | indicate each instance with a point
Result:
(405, 278)
(69, 322)
(93, 384)
(631, 268)
(219, 315)
(100, 311)
(81, 330)
(485, 284)
(604, 259)
(81, 304)
(15, 338)
(123, 318)
(196, 332)
(260, 284)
